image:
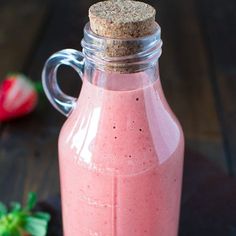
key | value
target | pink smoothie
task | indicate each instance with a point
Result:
(121, 157)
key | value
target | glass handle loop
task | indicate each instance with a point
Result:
(61, 101)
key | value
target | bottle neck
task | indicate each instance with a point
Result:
(121, 64)
(121, 81)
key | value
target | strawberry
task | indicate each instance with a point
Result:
(18, 97)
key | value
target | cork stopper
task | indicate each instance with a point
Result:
(121, 22)
(122, 19)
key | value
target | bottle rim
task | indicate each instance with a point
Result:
(132, 54)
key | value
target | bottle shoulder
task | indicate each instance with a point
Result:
(116, 128)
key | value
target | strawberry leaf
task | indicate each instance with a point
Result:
(38, 86)
(22, 220)
(15, 206)
(3, 209)
(31, 201)
(35, 226)
(42, 215)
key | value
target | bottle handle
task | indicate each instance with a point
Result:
(70, 57)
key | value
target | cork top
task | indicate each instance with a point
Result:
(122, 19)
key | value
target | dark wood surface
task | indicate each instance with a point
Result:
(198, 72)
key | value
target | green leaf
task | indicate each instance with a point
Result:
(6, 230)
(2, 229)
(19, 219)
(38, 86)
(15, 206)
(42, 215)
(34, 220)
(35, 226)
(5, 233)
(15, 232)
(3, 209)
(31, 201)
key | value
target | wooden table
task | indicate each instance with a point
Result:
(198, 71)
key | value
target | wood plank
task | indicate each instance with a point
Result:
(185, 78)
(34, 138)
(17, 33)
(20, 24)
(185, 74)
(219, 24)
(19, 27)
(211, 209)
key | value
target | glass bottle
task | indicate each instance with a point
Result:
(121, 147)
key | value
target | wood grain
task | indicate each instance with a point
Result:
(185, 78)
(190, 74)
(33, 156)
(210, 208)
(219, 27)
(19, 27)
(20, 24)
